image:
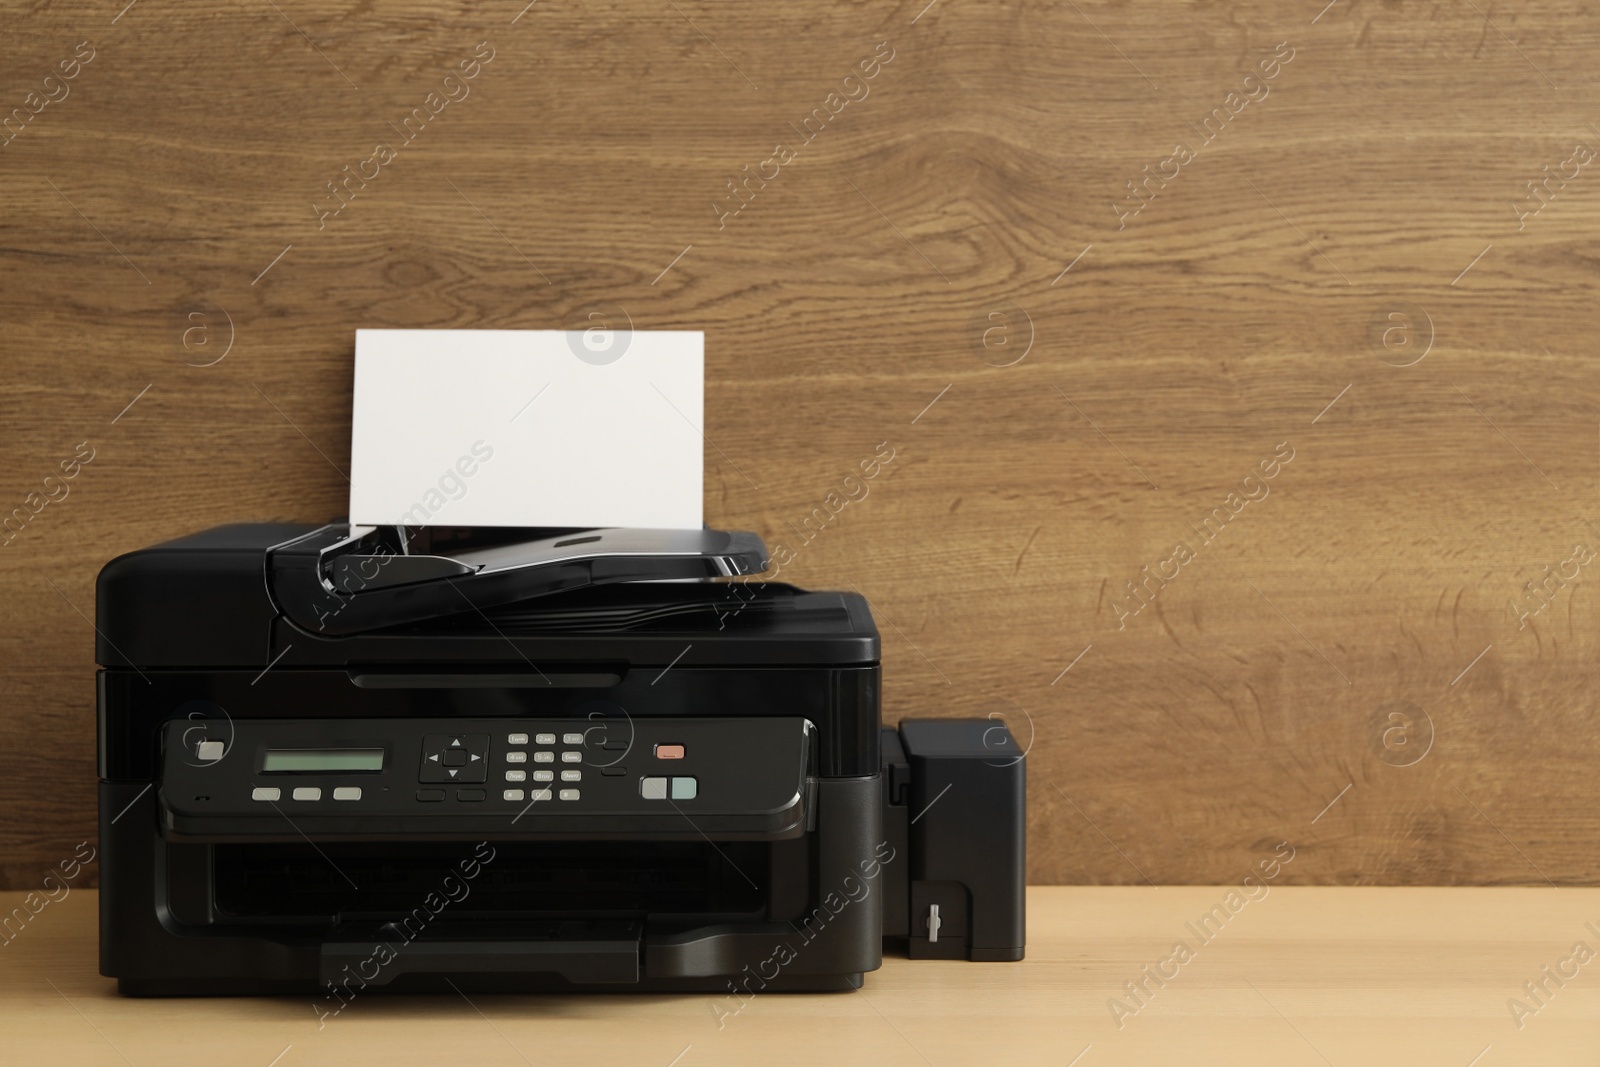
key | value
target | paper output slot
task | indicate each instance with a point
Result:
(521, 680)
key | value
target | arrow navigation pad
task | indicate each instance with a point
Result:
(454, 758)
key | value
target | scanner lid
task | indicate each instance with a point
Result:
(343, 579)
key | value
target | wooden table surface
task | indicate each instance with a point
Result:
(1346, 265)
(1300, 975)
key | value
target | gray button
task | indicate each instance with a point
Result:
(685, 788)
(307, 792)
(516, 739)
(572, 757)
(544, 739)
(347, 792)
(569, 794)
(210, 751)
(539, 794)
(543, 776)
(516, 776)
(512, 794)
(572, 739)
(653, 788)
(517, 757)
(265, 792)
(572, 776)
(544, 757)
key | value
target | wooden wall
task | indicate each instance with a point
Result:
(1345, 264)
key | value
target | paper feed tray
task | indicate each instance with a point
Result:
(340, 579)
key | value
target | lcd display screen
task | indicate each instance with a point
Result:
(324, 760)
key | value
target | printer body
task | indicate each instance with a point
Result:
(341, 759)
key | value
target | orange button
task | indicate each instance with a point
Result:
(669, 752)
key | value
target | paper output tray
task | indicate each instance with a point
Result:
(581, 950)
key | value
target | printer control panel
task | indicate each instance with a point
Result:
(735, 777)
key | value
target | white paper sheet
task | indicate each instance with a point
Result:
(528, 428)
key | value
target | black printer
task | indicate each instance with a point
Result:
(344, 759)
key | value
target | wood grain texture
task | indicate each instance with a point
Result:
(176, 186)
(1301, 975)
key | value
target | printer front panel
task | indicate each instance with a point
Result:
(408, 779)
(274, 837)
